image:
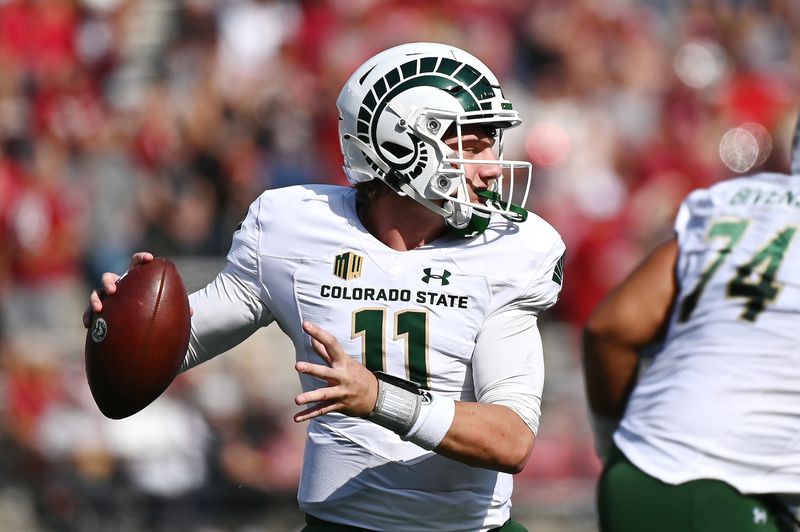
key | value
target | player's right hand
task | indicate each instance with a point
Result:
(108, 285)
(352, 389)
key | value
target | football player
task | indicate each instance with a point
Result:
(411, 298)
(710, 436)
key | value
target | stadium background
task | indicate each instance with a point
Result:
(152, 124)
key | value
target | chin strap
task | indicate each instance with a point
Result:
(477, 224)
(479, 221)
(514, 212)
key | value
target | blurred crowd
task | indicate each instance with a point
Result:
(152, 124)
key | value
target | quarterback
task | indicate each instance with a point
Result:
(710, 436)
(411, 298)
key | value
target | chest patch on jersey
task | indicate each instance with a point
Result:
(348, 265)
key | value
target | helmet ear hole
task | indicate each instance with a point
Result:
(445, 185)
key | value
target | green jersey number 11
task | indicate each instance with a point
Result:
(409, 325)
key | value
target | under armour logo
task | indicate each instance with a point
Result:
(442, 278)
(759, 516)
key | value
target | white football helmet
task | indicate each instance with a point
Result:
(393, 113)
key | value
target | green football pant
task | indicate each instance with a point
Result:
(630, 500)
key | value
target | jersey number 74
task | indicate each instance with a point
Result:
(754, 281)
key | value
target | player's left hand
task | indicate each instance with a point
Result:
(108, 286)
(352, 388)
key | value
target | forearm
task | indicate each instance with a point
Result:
(489, 436)
(225, 313)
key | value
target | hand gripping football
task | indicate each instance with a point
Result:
(135, 345)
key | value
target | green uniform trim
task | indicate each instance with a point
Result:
(630, 500)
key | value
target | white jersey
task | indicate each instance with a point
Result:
(722, 399)
(457, 316)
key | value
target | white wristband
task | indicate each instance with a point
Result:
(397, 407)
(435, 417)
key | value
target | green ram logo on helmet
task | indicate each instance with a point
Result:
(460, 80)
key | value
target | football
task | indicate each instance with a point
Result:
(136, 343)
